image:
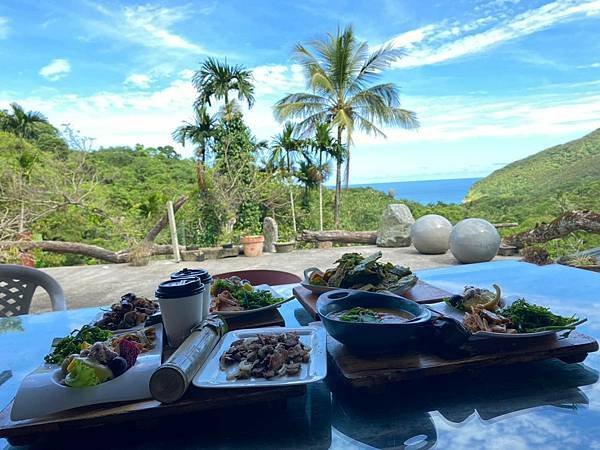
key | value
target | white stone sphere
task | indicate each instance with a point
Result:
(474, 240)
(430, 234)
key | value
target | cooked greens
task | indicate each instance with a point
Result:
(360, 314)
(530, 318)
(354, 271)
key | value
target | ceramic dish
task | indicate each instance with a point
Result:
(41, 393)
(262, 287)
(210, 374)
(316, 289)
(371, 336)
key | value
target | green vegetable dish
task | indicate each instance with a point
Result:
(530, 318)
(235, 294)
(75, 342)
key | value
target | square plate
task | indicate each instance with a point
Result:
(210, 374)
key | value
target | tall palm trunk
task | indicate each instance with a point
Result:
(347, 171)
(291, 186)
(321, 191)
(338, 182)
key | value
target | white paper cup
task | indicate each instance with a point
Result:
(180, 312)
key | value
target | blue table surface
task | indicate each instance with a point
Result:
(547, 405)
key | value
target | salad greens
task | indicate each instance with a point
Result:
(75, 342)
(255, 299)
(530, 318)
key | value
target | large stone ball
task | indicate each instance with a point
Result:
(474, 240)
(430, 234)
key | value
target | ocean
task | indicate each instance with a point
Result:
(428, 191)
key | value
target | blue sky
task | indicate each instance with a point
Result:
(491, 81)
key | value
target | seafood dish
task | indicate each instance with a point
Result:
(265, 356)
(371, 315)
(484, 312)
(128, 312)
(355, 271)
(235, 295)
(91, 363)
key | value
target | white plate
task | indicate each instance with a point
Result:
(210, 374)
(41, 393)
(318, 289)
(261, 287)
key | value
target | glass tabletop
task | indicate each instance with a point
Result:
(546, 405)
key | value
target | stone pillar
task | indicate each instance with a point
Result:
(394, 228)
(271, 234)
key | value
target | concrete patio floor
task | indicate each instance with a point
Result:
(104, 284)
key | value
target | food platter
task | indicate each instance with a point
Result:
(316, 289)
(211, 375)
(41, 393)
(449, 311)
(262, 287)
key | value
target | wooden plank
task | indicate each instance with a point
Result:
(364, 371)
(196, 400)
(421, 292)
(267, 318)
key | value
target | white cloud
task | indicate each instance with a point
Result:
(147, 25)
(589, 66)
(138, 80)
(439, 42)
(278, 79)
(3, 28)
(57, 69)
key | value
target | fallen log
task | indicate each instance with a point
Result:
(346, 237)
(76, 248)
(560, 227)
(164, 220)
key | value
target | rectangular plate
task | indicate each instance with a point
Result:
(210, 374)
(450, 311)
(40, 393)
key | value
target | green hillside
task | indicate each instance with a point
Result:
(563, 177)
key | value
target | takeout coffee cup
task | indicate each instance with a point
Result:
(181, 302)
(205, 278)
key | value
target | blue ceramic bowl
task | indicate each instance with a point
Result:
(371, 336)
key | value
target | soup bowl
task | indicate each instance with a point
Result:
(372, 336)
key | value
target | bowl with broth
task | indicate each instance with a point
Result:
(371, 321)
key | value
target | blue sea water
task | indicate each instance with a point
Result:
(428, 191)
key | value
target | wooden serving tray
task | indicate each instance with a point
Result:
(366, 371)
(266, 318)
(195, 400)
(421, 292)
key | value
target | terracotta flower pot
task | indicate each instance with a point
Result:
(253, 245)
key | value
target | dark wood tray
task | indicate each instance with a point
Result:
(366, 371)
(421, 292)
(266, 318)
(196, 400)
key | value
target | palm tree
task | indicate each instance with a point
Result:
(310, 174)
(216, 78)
(20, 123)
(199, 132)
(285, 149)
(324, 145)
(340, 72)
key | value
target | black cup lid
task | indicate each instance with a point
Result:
(202, 274)
(183, 287)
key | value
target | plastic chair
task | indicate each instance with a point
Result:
(270, 277)
(17, 286)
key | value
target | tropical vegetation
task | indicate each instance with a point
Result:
(55, 186)
(340, 72)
